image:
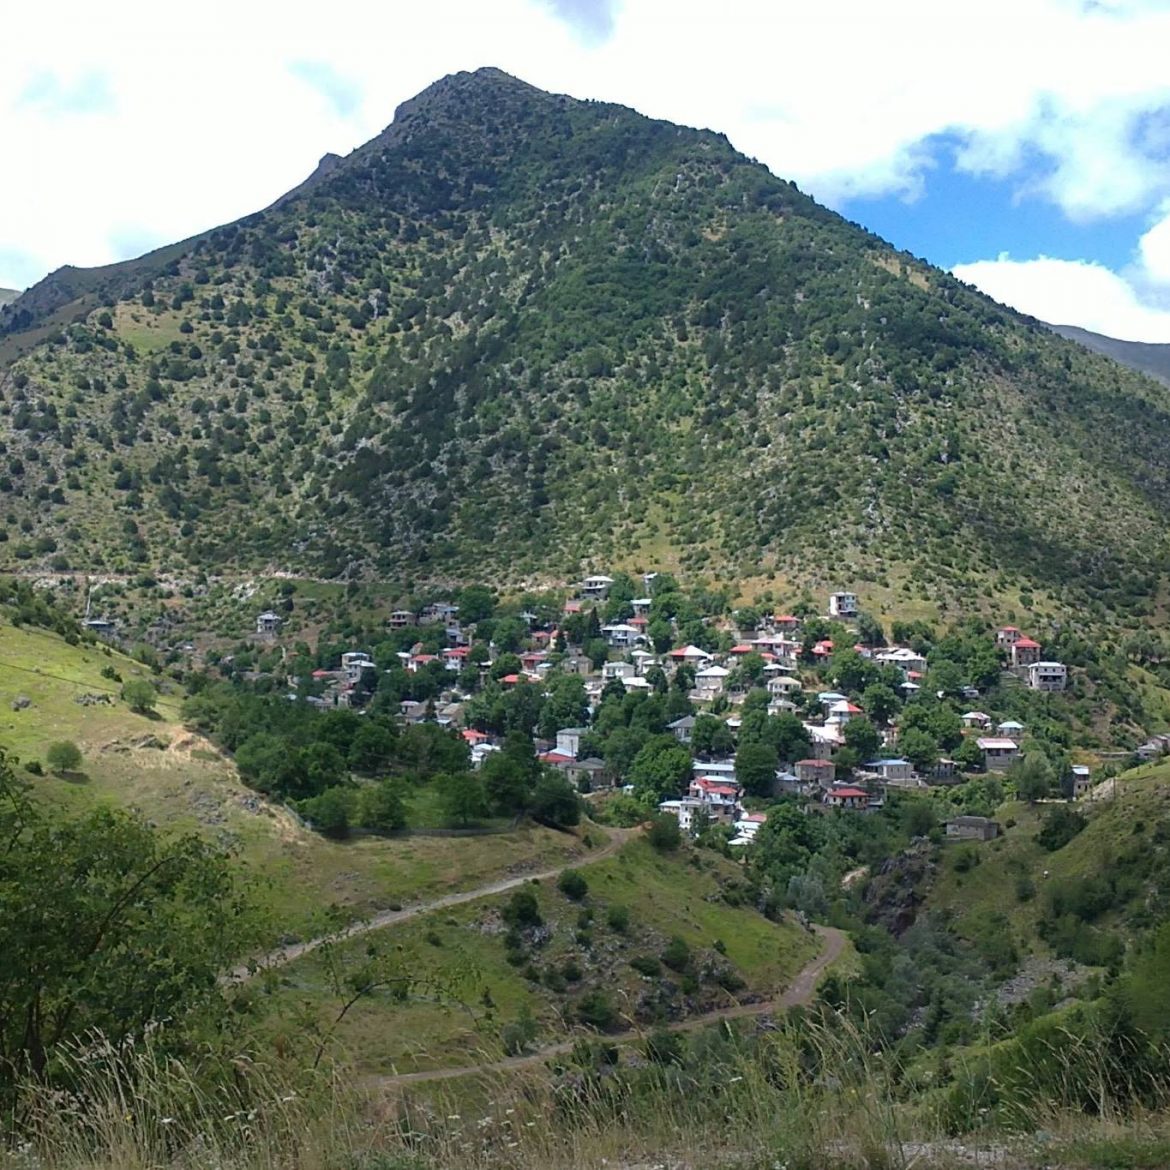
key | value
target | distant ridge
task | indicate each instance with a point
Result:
(8, 295)
(1145, 357)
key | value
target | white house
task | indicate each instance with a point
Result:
(691, 655)
(712, 679)
(688, 810)
(783, 684)
(1048, 676)
(976, 719)
(891, 770)
(353, 662)
(569, 740)
(843, 605)
(267, 624)
(1010, 729)
(998, 754)
(747, 827)
(903, 658)
(618, 670)
(596, 586)
(682, 728)
(641, 606)
(622, 635)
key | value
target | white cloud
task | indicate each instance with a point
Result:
(1133, 304)
(206, 116)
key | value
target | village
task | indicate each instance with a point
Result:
(779, 672)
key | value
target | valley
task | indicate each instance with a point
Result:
(546, 647)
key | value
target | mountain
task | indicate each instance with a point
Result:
(1146, 357)
(517, 333)
(8, 295)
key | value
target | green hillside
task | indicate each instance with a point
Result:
(578, 957)
(594, 336)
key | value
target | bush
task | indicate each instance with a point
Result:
(33, 767)
(595, 1010)
(522, 908)
(329, 813)
(646, 965)
(572, 885)
(663, 1047)
(677, 955)
(64, 756)
(618, 918)
(664, 833)
(140, 695)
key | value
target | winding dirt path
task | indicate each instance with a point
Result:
(287, 954)
(799, 991)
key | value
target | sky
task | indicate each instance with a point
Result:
(1022, 144)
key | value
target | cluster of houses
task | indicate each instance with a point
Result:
(714, 795)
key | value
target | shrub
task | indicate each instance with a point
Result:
(573, 885)
(663, 1047)
(618, 918)
(646, 965)
(664, 834)
(677, 955)
(140, 695)
(596, 1010)
(572, 970)
(522, 908)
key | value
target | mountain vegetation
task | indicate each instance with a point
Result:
(587, 334)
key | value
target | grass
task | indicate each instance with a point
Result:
(462, 951)
(147, 331)
(181, 782)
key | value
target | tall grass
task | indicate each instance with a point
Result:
(812, 1096)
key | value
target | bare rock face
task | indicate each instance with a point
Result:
(898, 887)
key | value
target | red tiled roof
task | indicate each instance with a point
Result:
(1027, 644)
(510, 679)
(814, 763)
(849, 793)
(1009, 629)
(742, 648)
(473, 736)
(555, 758)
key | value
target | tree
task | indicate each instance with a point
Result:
(380, 807)
(755, 768)
(919, 747)
(108, 926)
(476, 602)
(661, 635)
(711, 736)
(329, 812)
(662, 768)
(572, 884)
(64, 756)
(863, 738)
(554, 802)
(509, 774)
(140, 695)
(461, 797)
(880, 702)
(789, 737)
(1032, 776)
(664, 833)
(372, 749)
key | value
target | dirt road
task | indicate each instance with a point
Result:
(800, 991)
(287, 954)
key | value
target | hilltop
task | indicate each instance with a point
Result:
(591, 335)
(7, 295)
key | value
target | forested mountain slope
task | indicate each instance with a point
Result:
(518, 332)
